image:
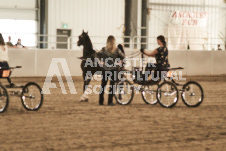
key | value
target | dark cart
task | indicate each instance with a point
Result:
(165, 91)
(30, 94)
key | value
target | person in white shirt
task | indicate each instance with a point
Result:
(3, 51)
(4, 57)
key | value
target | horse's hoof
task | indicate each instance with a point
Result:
(85, 100)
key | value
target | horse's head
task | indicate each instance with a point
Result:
(82, 38)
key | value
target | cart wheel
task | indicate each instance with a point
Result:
(149, 94)
(4, 99)
(124, 92)
(167, 94)
(192, 94)
(32, 96)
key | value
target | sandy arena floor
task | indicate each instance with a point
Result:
(63, 123)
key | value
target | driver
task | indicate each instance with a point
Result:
(4, 57)
(160, 54)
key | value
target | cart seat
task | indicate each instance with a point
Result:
(5, 73)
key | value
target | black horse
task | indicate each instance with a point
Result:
(91, 54)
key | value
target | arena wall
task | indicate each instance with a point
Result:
(36, 62)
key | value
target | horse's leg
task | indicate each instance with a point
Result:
(84, 97)
(84, 81)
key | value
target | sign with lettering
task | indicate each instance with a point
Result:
(195, 19)
(187, 30)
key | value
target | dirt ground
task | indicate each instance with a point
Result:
(63, 123)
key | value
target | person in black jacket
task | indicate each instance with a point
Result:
(111, 52)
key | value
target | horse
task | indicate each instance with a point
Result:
(89, 53)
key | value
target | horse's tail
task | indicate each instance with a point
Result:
(121, 48)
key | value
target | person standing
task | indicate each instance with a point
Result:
(9, 43)
(111, 52)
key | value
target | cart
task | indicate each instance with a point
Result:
(30, 94)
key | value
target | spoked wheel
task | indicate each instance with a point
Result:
(124, 92)
(192, 94)
(4, 99)
(32, 96)
(149, 94)
(167, 94)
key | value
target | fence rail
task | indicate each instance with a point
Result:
(50, 41)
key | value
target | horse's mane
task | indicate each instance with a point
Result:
(88, 43)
